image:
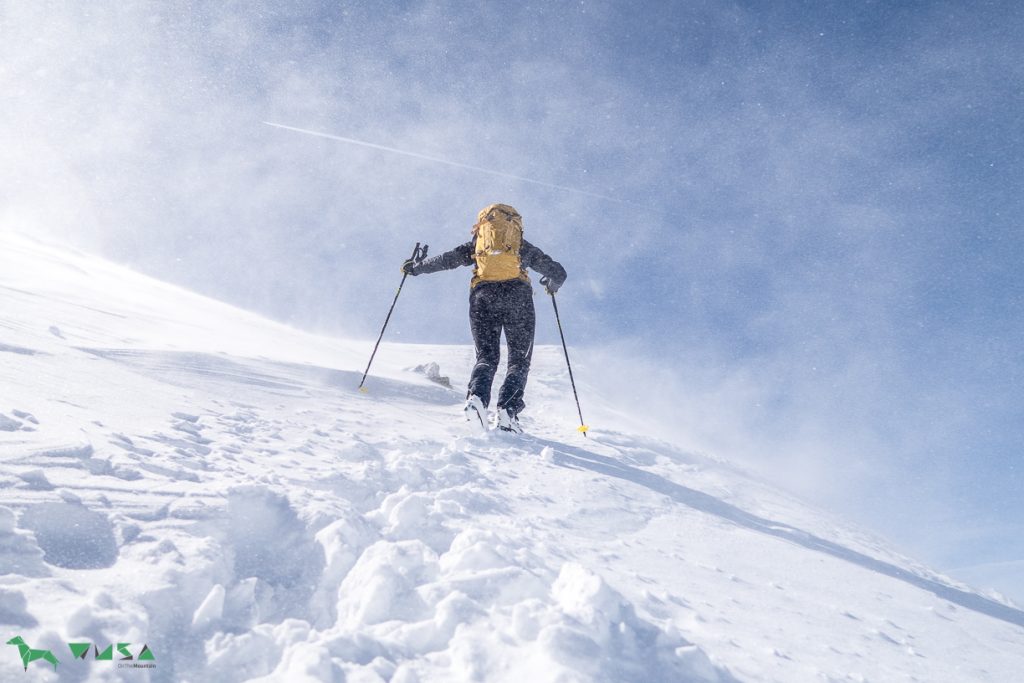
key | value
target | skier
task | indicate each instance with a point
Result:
(500, 298)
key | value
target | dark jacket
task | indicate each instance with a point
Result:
(462, 255)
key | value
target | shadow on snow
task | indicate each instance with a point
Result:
(580, 458)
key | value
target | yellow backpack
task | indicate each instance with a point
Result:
(499, 237)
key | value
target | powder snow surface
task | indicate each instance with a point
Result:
(182, 474)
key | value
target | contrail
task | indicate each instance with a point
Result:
(424, 157)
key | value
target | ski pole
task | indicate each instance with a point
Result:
(583, 426)
(417, 255)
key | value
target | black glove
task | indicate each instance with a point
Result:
(550, 285)
(409, 266)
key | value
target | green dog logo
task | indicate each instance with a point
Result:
(30, 655)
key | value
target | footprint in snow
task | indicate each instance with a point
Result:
(8, 424)
(71, 536)
(22, 415)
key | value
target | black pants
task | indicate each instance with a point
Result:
(493, 307)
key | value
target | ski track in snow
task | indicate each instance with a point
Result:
(177, 473)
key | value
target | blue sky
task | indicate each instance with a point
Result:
(814, 268)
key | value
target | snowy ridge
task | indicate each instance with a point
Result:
(182, 474)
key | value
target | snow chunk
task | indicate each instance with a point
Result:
(211, 608)
(585, 596)
(36, 480)
(604, 639)
(342, 541)
(432, 371)
(411, 514)
(20, 554)
(253, 654)
(303, 663)
(14, 609)
(382, 585)
(474, 549)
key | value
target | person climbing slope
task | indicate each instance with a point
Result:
(500, 298)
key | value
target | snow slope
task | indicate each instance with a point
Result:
(178, 473)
